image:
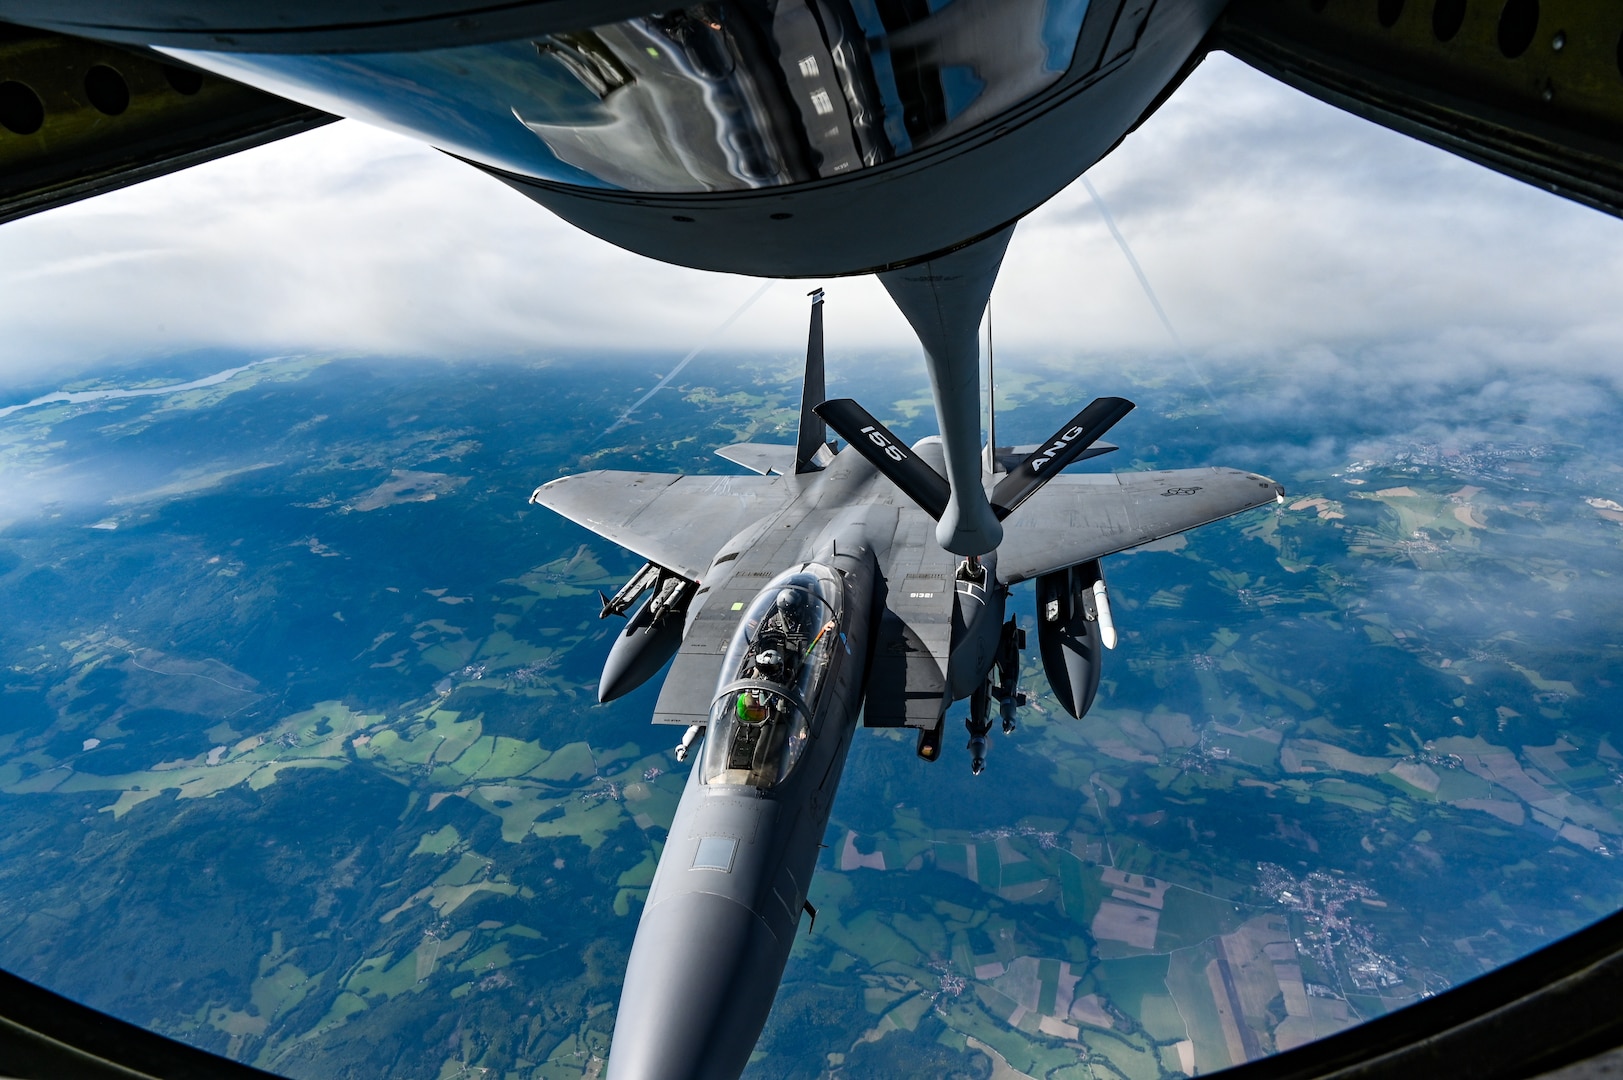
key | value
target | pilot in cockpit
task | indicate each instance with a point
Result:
(755, 742)
(788, 625)
(751, 707)
(769, 665)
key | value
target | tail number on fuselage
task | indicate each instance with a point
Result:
(892, 451)
(1180, 491)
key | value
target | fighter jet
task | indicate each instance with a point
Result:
(802, 600)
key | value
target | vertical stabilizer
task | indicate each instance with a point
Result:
(812, 444)
(991, 464)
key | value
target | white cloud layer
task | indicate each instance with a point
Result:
(1267, 222)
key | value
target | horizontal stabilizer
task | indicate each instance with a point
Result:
(764, 458)
(1067, 445)
(769, 459)
(888, 454)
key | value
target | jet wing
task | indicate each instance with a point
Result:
(1077, 518)
(678, 522)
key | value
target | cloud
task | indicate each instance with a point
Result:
(1268, 223)
(82, 264)
(1267, 220)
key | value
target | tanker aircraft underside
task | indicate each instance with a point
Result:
(797, 601)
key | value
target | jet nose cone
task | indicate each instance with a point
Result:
(700, 982)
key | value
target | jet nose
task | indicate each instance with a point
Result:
(700, 982)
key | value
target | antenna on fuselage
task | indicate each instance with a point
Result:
(811, 446)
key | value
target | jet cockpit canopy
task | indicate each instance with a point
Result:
(770, 680)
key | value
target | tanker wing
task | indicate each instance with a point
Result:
(678, 522)
(1079, 518)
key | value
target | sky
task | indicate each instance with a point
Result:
(1271, 226)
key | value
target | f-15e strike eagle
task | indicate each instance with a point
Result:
(800, 600)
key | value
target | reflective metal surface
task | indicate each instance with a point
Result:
(722, 96)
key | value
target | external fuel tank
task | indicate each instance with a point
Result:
(1069, 609)
(645, 645)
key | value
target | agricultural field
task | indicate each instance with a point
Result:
(301, 758)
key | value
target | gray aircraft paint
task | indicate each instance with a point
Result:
(915, 634)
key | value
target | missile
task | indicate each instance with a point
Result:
(1107, 625)
(646, 578)
(691, 736)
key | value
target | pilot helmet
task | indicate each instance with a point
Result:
(751, 707)
(770, 661)
(787, 600)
